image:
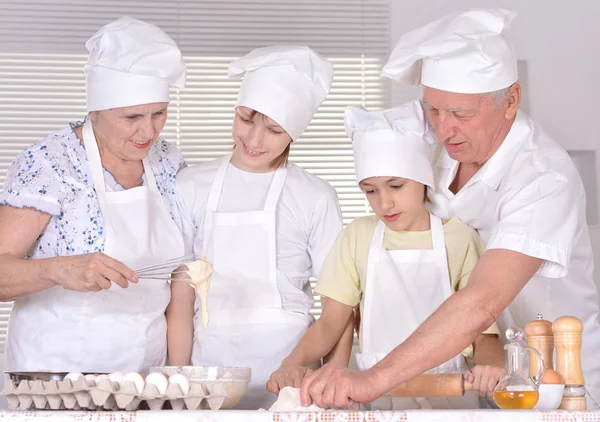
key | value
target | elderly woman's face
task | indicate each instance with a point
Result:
(129, 132)
(471, 126)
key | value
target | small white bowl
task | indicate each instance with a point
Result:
(550, 396)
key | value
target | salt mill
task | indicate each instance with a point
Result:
(567, 340)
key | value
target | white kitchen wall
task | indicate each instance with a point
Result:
(559, 44)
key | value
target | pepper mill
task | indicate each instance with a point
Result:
(567, 340)
(540, 337)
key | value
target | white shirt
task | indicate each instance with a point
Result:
(529, 198)
(308, 220)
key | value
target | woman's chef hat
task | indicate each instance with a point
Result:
(130, 63)
(285, 83)
(390, 143)
(463, 52)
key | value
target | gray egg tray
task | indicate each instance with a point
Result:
(108, 395)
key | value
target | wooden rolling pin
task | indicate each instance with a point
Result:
(433, 385)
(429, 385)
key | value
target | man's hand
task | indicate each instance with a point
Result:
(335, 387)
(484, 378)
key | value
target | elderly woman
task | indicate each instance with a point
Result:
(88, 204)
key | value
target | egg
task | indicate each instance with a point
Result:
(116, 377)
(73, 376)
(159, 381)
(182, 381)
(91, 380)
(137, 380)
(552, 377)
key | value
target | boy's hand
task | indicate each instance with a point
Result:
(288, 375)
(484, 378)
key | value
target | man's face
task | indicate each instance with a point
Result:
(471, 126)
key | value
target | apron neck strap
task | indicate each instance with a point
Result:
(273, 195)
(377, 241)
(217, 185)
(93, 155)
(275, 189)
(437, 233)
(439, 246)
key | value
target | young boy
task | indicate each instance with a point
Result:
(399, 264)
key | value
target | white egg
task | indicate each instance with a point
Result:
(182, 381)
(73, 376)
(91, 380)
(137, 380)
(116, 377)
(159, 381)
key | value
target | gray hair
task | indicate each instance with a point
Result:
(500, 96)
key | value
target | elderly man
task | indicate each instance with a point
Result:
(499, 172)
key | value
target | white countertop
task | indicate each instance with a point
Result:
(331, 416)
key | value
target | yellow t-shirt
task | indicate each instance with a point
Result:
(344, 273)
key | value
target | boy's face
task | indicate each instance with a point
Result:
(398, 202)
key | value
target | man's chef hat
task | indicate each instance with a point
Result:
(130, 63)
(390, 143)
(463, 52)
(287, 84)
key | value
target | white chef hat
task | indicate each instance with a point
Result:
(463, 52)
(130, 63)
(390, 142)
(285, 83)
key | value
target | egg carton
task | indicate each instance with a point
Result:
(108, 395)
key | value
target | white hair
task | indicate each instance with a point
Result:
(500, 96)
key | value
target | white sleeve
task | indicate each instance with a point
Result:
(326, 225)
(542, 220)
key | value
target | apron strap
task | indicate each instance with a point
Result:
(150, 179)
(439, 246)
(375, 251)
(217, 185)
(93, 154)
(275, 189)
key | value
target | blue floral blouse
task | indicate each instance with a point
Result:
(53, 176)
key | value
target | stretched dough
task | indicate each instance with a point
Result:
(289, 401)
(200, 273)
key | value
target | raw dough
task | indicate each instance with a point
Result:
(200, 273)
(289, 401)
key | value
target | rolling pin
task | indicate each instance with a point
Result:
(429, 385)
(567, 340)
(433, 385)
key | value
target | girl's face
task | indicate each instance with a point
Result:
(259, 140)
(398, 202)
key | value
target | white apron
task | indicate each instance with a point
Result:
(248, 327)
(115, 329)
(403, 288)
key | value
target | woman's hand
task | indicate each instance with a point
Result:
(91, 272)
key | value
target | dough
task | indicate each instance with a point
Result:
(289, 401)
(200, 273)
